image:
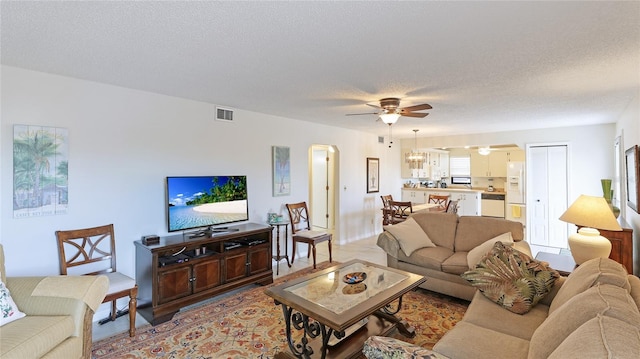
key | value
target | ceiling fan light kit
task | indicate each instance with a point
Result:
(389, 118)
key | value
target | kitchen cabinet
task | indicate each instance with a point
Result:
(515, 156)
(414, 196)
(492, 165)
(435, 166)
(468, 203)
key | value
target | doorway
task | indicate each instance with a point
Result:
(547, 194)
(322, 186)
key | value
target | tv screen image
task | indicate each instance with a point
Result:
(203, 201)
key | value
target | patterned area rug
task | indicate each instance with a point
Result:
(249, 325)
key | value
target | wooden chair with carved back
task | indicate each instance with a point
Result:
(400, 211)
(386, 209)
(92, 251)
(301, 231)
(440, 200)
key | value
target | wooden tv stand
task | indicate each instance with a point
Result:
(180, 271)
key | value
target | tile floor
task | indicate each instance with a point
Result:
(365, 249)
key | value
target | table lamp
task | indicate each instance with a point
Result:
(590, 213)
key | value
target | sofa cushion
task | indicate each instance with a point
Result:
(8, 309)
(33, 336)
(476, 254)
(440, 227)
(634, 283)
(467, 340)
(456, 264)
(512, 279)
(601, 337)
(410, 236)
(481, 310)
(429, 257)
(472, 231)
(586, 275)
(605, 299)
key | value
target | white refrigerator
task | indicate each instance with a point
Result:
(515, 193)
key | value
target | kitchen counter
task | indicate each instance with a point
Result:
(457, 189)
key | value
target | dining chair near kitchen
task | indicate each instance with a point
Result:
(92, 251)
(400, 211)
(440, 200)
(301, 231)
(386, 209)
(452, 206)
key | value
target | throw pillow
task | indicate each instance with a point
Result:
(511, 278)
(8, 308)
(410, 235)
(475, 255)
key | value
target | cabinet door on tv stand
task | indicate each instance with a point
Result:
(174, 284)
(259, 260)
(207, 275)
(235, 266)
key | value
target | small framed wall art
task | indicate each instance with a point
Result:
(373, 175)
(281, 181)
(633, 177)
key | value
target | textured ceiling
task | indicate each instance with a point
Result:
(483, 66)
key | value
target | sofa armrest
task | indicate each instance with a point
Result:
(377, 347)
(35, 293)
(389, 244)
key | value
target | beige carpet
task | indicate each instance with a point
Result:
(249, 325)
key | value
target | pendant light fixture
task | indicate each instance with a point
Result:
(415, 158)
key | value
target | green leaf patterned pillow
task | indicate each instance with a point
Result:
(511, 278)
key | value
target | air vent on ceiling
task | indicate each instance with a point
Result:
(380, 139)
(224, 114)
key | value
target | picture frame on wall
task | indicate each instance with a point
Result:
(281, 160)
(373, 175)
(633, 177)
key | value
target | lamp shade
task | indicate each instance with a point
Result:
(593, 212)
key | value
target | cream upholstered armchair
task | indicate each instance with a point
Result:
(58, 312)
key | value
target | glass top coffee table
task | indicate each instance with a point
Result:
(338, 308)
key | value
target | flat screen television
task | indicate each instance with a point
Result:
(205, 201)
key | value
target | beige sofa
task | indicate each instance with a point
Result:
(59, 311)
(454, 237)
(593, 313)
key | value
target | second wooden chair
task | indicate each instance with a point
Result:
(301, 231)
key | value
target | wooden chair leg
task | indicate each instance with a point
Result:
(309, 251)
(314, 255)
(133, 303)
(293, 252)
(114, 310)
(330, 251)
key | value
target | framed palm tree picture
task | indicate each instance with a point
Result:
(40, 171)
(281, 171)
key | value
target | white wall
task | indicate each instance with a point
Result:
(629, 128)
(123, 143)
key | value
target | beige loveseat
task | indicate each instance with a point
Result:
(593, 313)
(454, 237)
(59, 311)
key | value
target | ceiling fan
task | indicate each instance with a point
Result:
(390, 110)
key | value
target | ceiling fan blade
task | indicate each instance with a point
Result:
(423, 106)
(413, 114)
(374, 106)
(358, 114)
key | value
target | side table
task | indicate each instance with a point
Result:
(562, 263)
(277, 257)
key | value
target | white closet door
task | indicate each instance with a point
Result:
(547, 185)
